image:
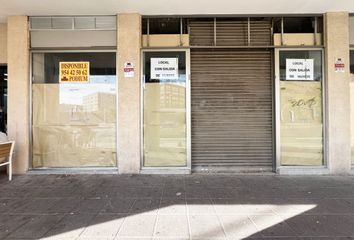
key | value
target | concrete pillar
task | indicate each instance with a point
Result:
(338, 92)
(129, 43)
(18, 89)
(3, 43)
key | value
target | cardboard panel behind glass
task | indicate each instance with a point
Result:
(74, 119)
(301, 121)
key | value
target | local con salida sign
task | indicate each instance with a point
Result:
(300, 69)
(164, 68)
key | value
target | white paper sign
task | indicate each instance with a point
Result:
(299, 69)
(164, 68)
(128, 70)
(339, 65)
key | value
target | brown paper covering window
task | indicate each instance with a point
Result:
(66, 135)
(301, 127)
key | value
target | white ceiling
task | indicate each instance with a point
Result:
(170, 7)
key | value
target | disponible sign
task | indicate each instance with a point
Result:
(299, 69)
(77, 72)
(164, 68)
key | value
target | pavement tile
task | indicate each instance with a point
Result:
(173, 206)
(222, 193)
(282, 238)
(200, 207)
(55, 192)
(140, 192)
(339, 192)
(18, 192)
(103, 226)
(169, 238)
(174, 192)
(331, 207)
(35, 206)
(70, 226)
(110, 192)
(64, 205)
(135, 238)
(172, 226)
(196, 192)
(10, 223)
(95, 238)
(140, 225)
(294, 207)
(174, 181)
(272, 225)
(206, 227)
(117, 205)
(233, 207)
(322, 225)
(224, 182)
(302, 192)
(36, 227)
(195, 181)
(322, 181)
(349, 204)
(146, 206)
(10, 204)
(91, 206)
(86, 193)
(238, 226)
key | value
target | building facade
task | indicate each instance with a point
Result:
(161, 92)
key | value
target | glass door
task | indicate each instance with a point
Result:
(165, 84)
(299, 102)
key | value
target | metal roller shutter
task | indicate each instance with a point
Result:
(227, 32)
(231, 92)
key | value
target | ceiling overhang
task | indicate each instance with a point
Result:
(171, 7)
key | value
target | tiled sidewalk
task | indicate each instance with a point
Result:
(176, 207)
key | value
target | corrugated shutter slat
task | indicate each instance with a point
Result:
(230, 32)
(231, 95)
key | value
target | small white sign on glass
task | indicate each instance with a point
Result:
(164, 68)
(300, 69)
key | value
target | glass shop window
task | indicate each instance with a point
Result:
(352, 61)
(351, 84)
(164, 25)
(74, 109)
(301, 117)
(298, 25)
(3, 99)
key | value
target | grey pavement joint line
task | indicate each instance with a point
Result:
(125, 217)
(188, 215)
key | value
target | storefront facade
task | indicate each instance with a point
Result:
(134, 93)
